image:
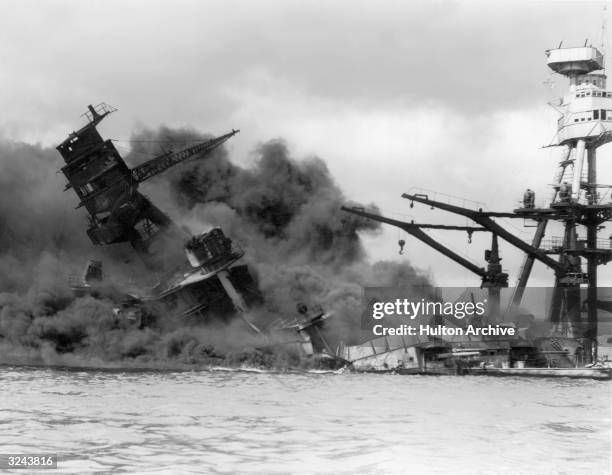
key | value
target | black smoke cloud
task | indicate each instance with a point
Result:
(284, 213)
(292, 206)
(37, 221)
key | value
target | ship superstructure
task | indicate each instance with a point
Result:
(577, 204)
(108, 189)
(584, 125)
(205, 280)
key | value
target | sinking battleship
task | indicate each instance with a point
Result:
(574, 347)
(207, 279)
(203, 282)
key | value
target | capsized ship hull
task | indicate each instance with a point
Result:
(542, 357)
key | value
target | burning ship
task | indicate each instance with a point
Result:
(574, 347)
(209, 280)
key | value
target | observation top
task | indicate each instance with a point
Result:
(575, 61)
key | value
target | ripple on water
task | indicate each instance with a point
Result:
(567, 427)
(246, 421)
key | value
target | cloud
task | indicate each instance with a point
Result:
(443, 95)
(163, 63)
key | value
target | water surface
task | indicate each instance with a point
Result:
(256, 422)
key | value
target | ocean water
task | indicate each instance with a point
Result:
(223, 421)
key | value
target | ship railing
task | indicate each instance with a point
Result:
(552, 244)
(193, 310)
(222, 262)
(555, 243)
(606, 196)
(561, 122)
(536, 204)
(583, 199)
(603, 243)
(216, 264)
(75, 280)
(101, 109)
(448, 199)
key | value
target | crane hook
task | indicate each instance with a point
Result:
(469, 237)
(401, 243)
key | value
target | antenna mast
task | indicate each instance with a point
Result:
(604, 28)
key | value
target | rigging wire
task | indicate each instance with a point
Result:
(157, 141)
(131, 150)
(455, 250)
(604, 33)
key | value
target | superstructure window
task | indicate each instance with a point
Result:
(596, 114)
(86, 189)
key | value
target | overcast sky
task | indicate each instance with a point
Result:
(443, 95)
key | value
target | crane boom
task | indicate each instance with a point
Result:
(162, 163)
(415, 230)
(483, 218)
